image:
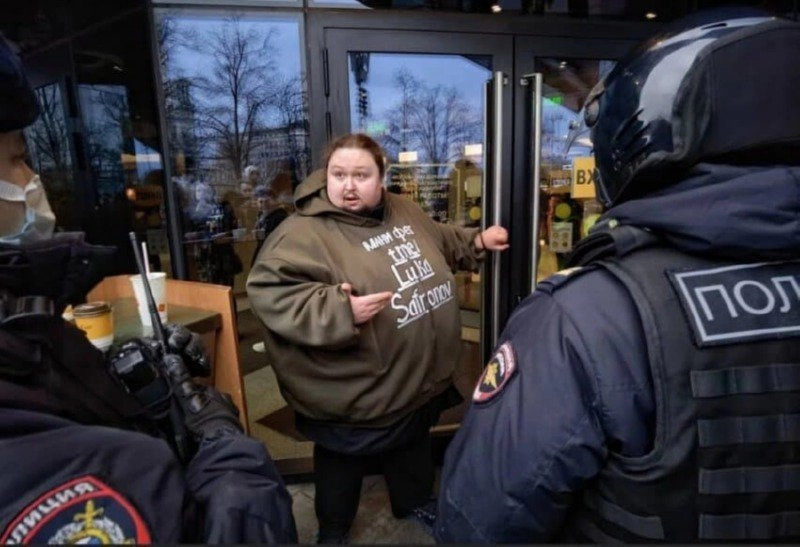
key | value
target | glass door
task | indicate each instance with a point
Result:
(434, 101)
(562, 160)
(555, 155)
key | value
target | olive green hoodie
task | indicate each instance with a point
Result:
(375, 373)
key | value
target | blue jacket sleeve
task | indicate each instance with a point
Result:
(240, 493)
(513, 468)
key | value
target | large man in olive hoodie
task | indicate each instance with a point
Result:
(363, 386)
(328, 368)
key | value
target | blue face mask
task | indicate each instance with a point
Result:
(28, 212)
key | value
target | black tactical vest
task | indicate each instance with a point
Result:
(722, 340)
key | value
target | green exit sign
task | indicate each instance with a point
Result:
(376, 128)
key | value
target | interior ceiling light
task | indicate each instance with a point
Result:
(496, 8)
(650, 15)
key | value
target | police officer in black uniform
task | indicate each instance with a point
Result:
(652, 392)
(83, 459)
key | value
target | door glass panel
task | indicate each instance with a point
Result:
(568, 207)
(427, 112)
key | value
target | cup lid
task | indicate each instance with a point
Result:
(91, 308)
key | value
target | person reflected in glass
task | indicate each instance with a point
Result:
(241, 199)
(358, 298)
(217, 261)
(272, 210)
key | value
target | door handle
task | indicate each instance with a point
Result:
(535, 132)
(492, 192)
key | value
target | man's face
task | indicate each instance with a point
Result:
(354, 182)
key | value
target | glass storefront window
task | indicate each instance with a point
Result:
(96, 141)
(50, 150)
(122, 173)
(235, 98)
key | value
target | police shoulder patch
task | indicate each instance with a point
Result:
(496, 375)
(82, 510)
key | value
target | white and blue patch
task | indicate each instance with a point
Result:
(740, 303)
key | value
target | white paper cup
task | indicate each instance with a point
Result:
(158, 284)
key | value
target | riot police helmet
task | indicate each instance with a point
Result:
(718, 86)
(18, 104)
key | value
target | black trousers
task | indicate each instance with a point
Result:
(409, 473)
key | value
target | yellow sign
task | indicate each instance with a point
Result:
(584, 174)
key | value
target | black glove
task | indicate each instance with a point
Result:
(189, 345)
(207, 412)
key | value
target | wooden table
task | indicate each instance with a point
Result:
(127, 324)
(203, 308)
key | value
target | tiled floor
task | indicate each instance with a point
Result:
(374, 522)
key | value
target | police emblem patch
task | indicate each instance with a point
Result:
(83, 510)
(496, 375)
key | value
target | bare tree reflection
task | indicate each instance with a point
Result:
(48, 141)
(434, 120)
(108, 134)
(237, 92)
(233, 104)
(290, 103)
(49, 135)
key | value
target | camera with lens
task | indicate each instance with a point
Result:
(136, 365)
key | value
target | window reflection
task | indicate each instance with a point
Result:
(426, 111)
(565, 217)
(238, 131)
(51, 154)
(108, 138)
(96, 145)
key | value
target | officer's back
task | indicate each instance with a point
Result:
(653, 391)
